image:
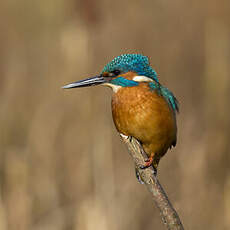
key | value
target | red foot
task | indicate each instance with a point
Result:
(148, 162)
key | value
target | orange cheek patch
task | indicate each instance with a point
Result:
(105, 74)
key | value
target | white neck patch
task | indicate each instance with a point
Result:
(115, 88)
(142, 79)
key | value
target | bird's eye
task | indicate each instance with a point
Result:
(116, 72)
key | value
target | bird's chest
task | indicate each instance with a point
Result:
(142, 113)
(127, 108)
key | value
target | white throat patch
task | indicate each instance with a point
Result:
(142, 79)
(115, 88)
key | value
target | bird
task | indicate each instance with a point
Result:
(141, 106)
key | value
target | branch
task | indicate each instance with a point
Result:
(169, 215)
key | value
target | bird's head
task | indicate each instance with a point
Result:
(123, 71)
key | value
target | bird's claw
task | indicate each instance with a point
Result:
(145, 166)
(148, 162)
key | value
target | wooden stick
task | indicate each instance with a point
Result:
(169, 215)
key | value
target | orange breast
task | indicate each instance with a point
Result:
(142, 113)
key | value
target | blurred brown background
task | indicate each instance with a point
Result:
(62, 164)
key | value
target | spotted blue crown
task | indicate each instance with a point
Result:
(132, 62)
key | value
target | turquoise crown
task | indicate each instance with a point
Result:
(132, 62)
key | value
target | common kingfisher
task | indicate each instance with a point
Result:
(141, 107)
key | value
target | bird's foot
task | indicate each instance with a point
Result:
(148, 163)
(151, 161)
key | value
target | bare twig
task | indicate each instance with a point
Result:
(169, 215)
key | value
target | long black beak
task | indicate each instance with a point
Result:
(86, 82)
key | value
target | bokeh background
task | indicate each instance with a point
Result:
(62, 164)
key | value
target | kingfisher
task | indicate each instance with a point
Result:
(141, 107)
